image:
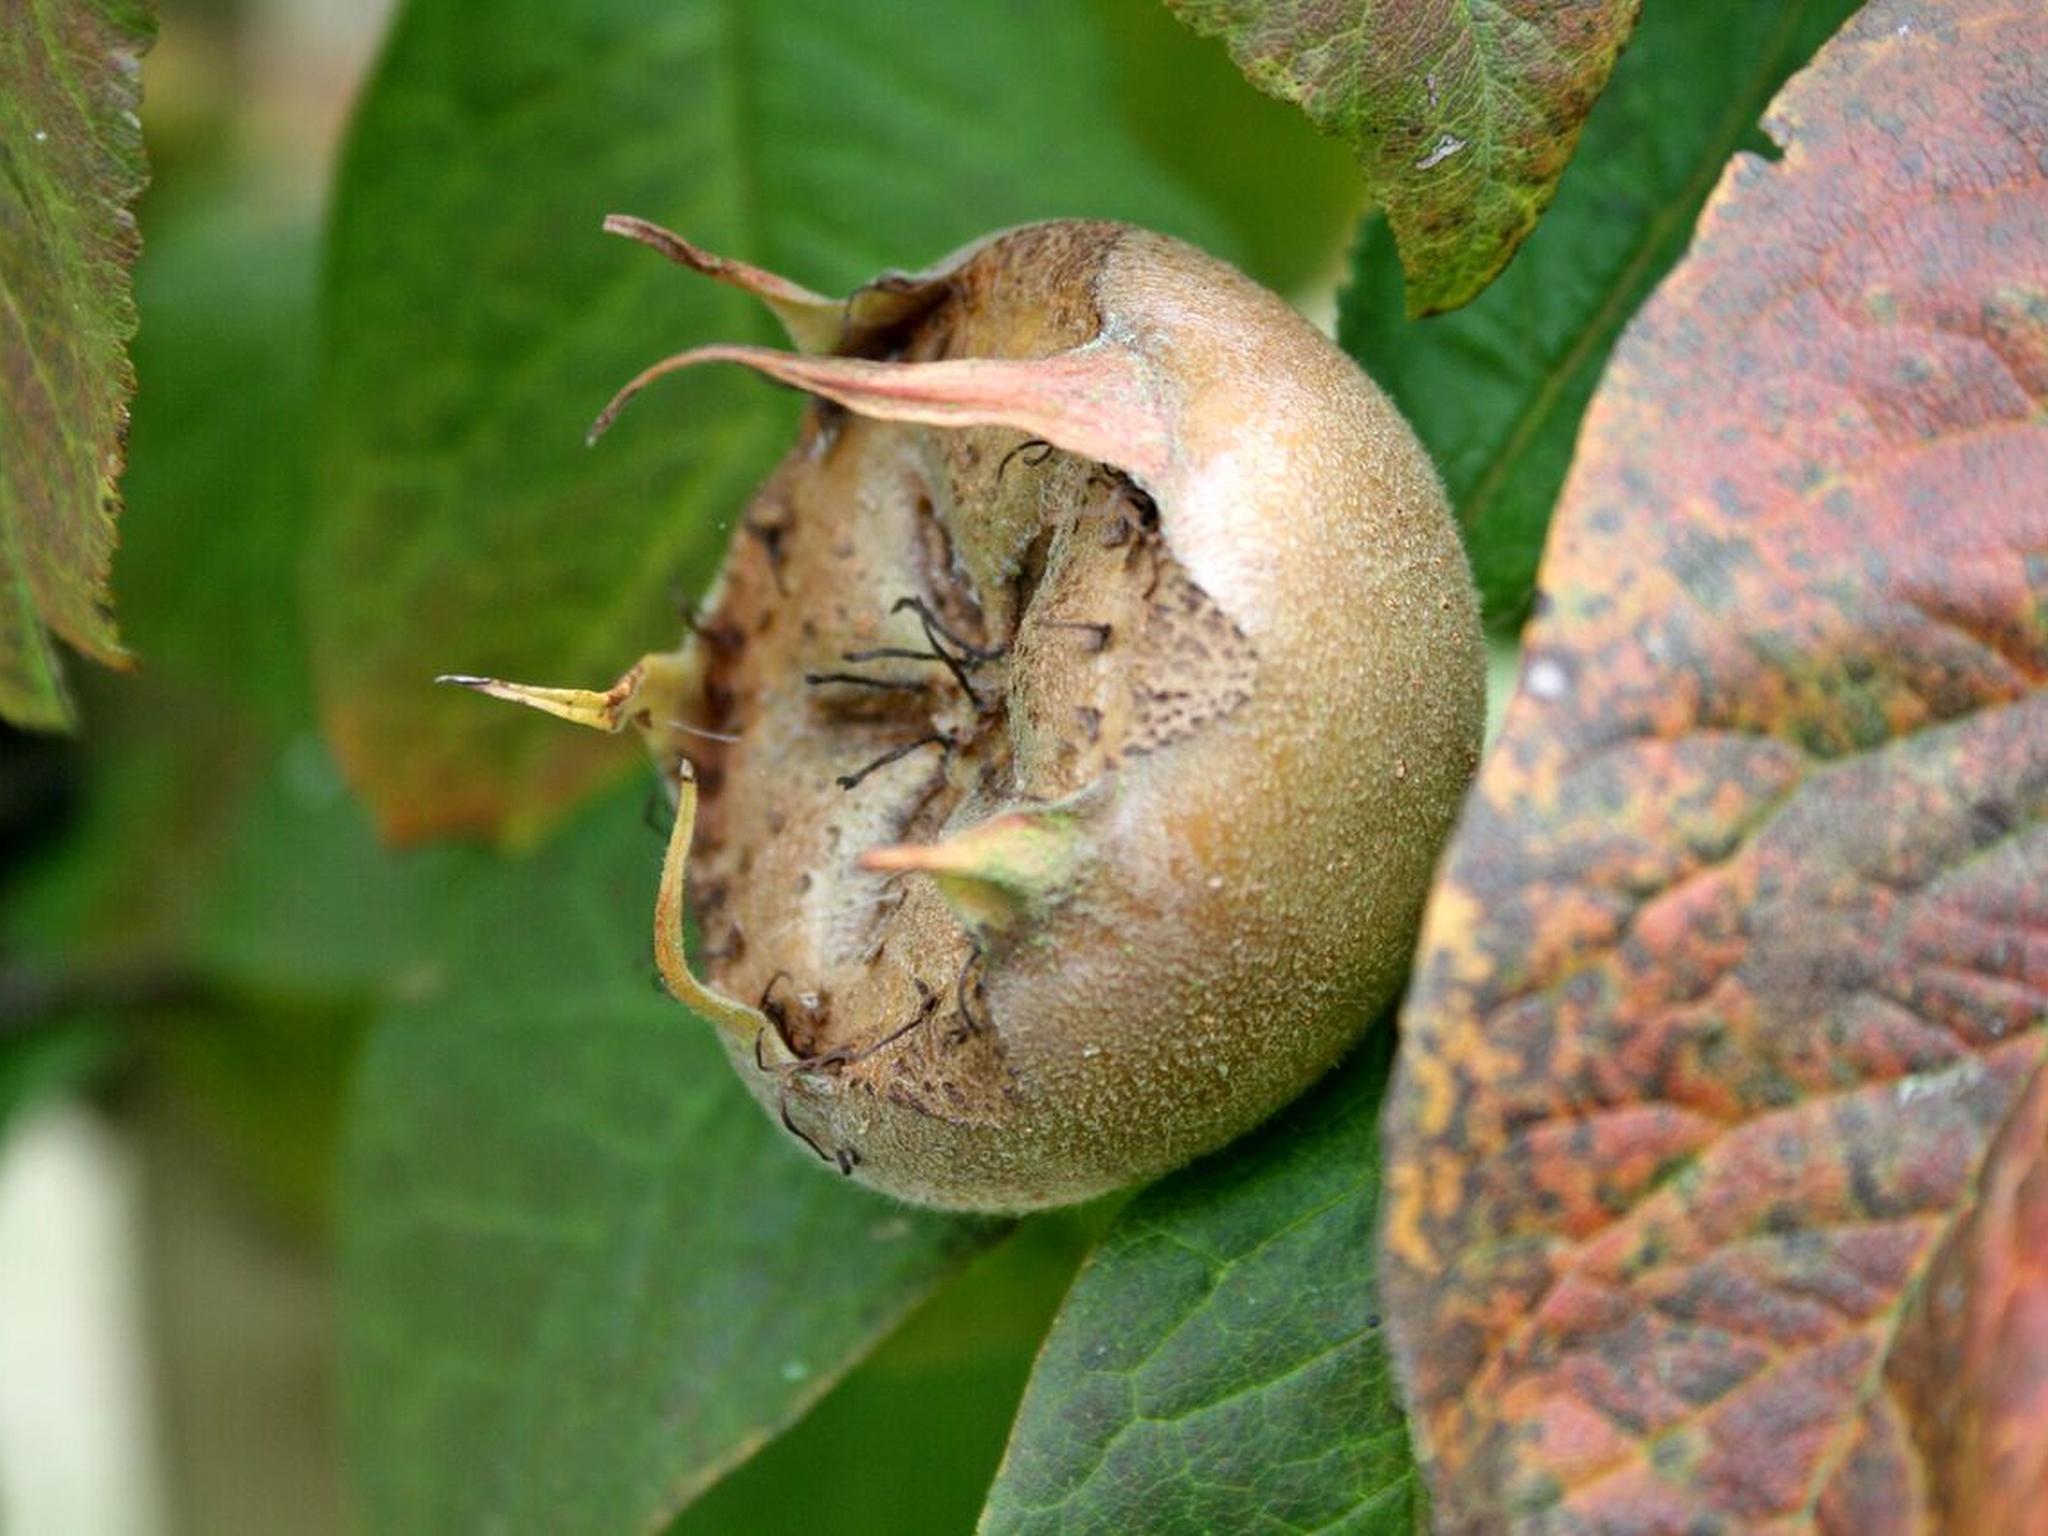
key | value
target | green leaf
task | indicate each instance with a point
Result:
(1290, 194)
(908, 1442)
(476, 319)
(582, 1274)
(70, 164)
(215, 525)
(262, 1083)
(1463, 113)
(1496, 391)
(308, 904)
(1218, 1365)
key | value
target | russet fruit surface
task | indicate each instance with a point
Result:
(1066, 746)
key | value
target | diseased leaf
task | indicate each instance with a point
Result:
(477, 319)
(582, 1274)
(1218, 1365)
(1496, 390)
(70, 165)
(1712, 1132)
(1463, 113)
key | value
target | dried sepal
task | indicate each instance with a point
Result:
(1093, 402)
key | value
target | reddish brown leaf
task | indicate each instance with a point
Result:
(70, 165)
(1718, 1153)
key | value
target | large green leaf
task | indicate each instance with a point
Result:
(1496, 390)
(308, 903)
(215, 524)
(582, 1273)
(1462, 113)
(1218, 1365)
(70, 164)
(476, 319)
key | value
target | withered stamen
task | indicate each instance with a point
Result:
(854, 679)
(849, 780)
(1038, 449)
(935, 630)
(958, 665)
(789, 1125)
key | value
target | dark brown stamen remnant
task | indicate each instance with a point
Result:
(857, 680)
(893, 755)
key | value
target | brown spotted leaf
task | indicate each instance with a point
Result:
(1718, 1153)
(1463, 113)
(70, 165)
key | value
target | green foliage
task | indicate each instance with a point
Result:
(70, 164)
(583, 1276)
(217, 490)
(909, 1441)
(1462, 113)
(1287, 194)
(1497, 389)
(49, 1061)
(1218, 1366)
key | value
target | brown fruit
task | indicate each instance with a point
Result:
(1074, 726)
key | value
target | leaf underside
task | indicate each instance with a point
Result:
(1496, 390)
(477, 319)
(71, 163)
(1218, 1366)
(1717, 1173)
(1463, 113)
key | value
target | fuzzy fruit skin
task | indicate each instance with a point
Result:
(1074, 728)
(1246, 892)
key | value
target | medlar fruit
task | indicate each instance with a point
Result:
(1063, 754)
